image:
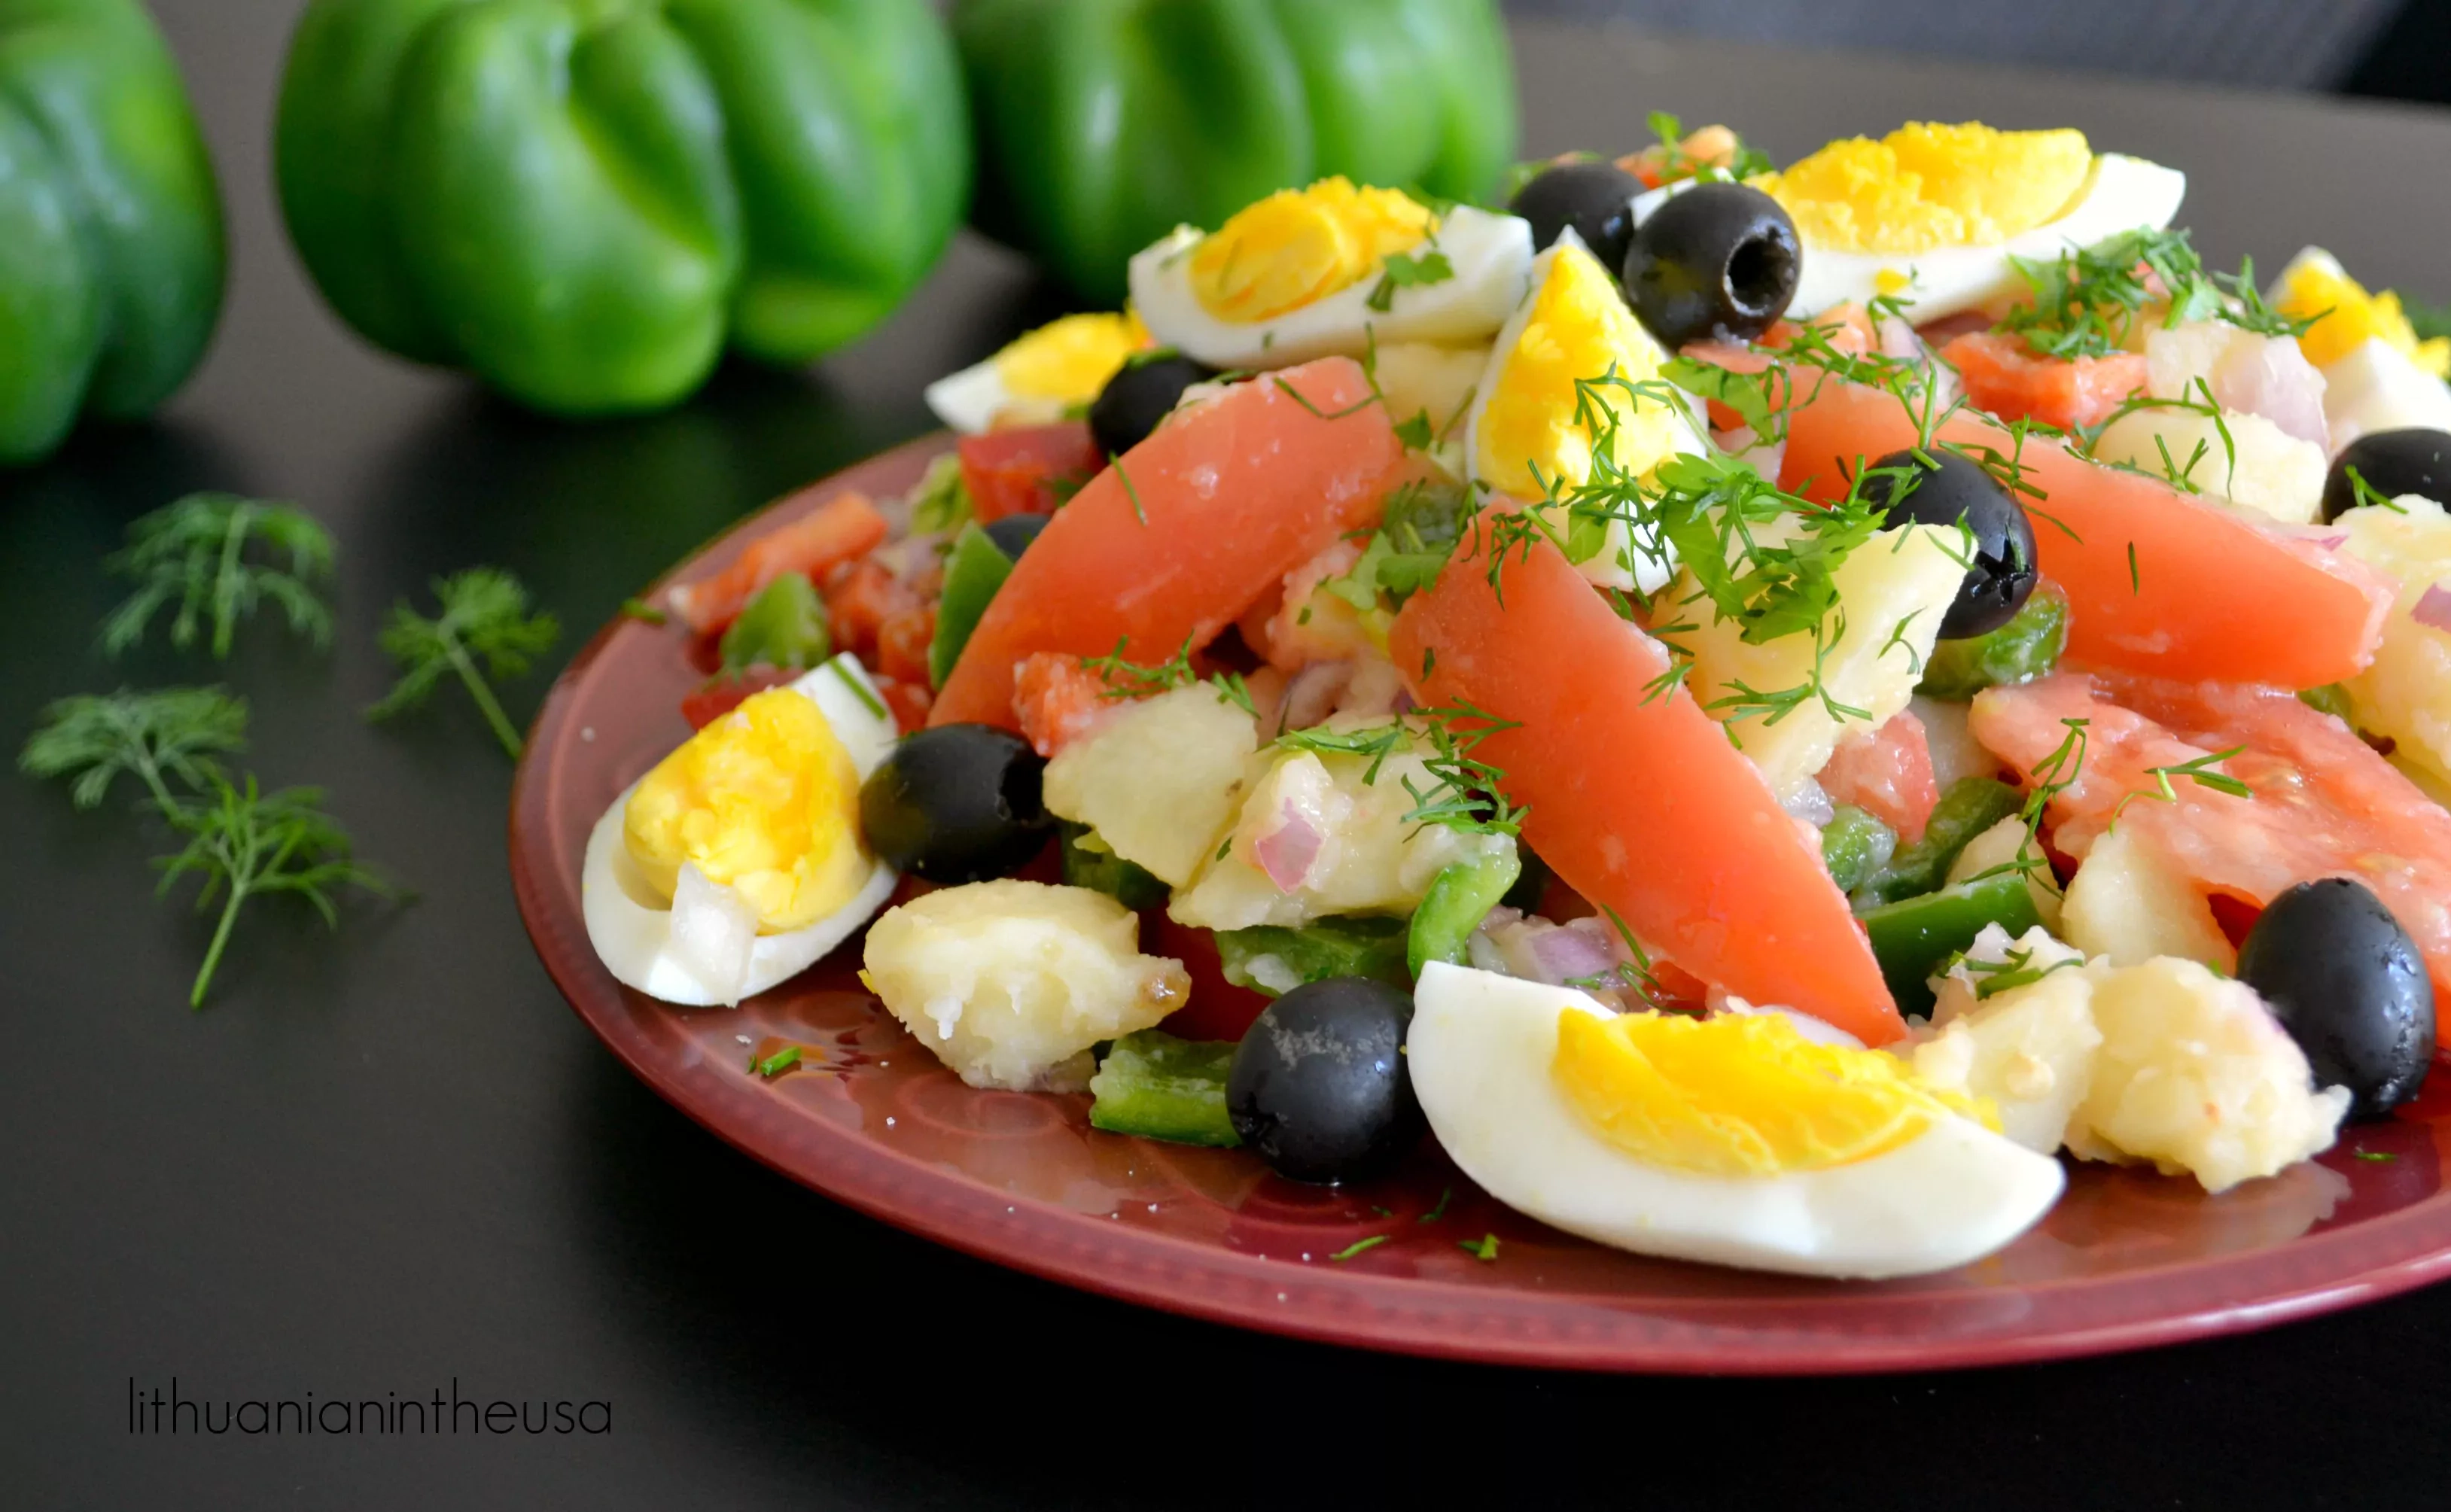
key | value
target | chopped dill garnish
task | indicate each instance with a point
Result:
(2087, 301)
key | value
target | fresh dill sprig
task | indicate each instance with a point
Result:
(2085, 303)
(1126, 679)
(484, 617)
(2015, 970)
(1403, 270)
(160, 737)
(2201, 771)
(246, 843)
(1376, 741)
(217, 557)
(1674, 162)
(2054, 775)
(1465, 792)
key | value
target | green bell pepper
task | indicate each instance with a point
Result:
(1102, 124)
(584, 200)
(1158, 1087)
(975, 569)
(784, 626)
(1459, 898)
(1970, 806)
(1855, 847)
(1912, 937)
(111, 253)
(1087, 862)
(1273, 959)
(2027, 647)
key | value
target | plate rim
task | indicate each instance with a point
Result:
(1488, 1323)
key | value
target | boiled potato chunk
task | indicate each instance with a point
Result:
(2195, 1076)
(2274, 474)
(2029, 1048)
(1159, 783)
(1322, 833)
(1010, 983)
(1894, 590)
(2407, 692)
(2125, 905)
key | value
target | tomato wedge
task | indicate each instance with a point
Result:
(1026, 471)
(1193, 524)
(1639, 805)
(2007, 378)
(1888, 775)
(2161, 582)
(844, 527)
(2325, 803)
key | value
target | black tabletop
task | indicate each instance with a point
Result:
(391, 1162)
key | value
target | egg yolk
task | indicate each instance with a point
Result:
(1069, 360)
(765, 800)
(2318, 285)
(1298, 246)
(1739, 1094)
(1923, 187)
(1577, 328)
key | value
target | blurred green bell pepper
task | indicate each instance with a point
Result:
(1104, 123)
(110, 226)
(583, 200)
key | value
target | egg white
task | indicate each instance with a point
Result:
(2119, 194)
(633, 929)
(1480, 1051)
(1607, 569)
(1490, 255)
(969, 401)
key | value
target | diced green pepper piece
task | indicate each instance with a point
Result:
(784, 626)
(941, 500)
(2330, 698)
(1089, 863)
(1158, 1087)
(1912, 937)
(2027, 647)
(1970, 806)
(1855, 846)
(1273, 959)
(974, 572)
(1459, 898)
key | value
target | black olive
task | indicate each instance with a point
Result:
(2347, 981)
(2415, 460)
(1139, 396)
(1013, 532)
(1716, 262)
(1317, 1087)
(957, 803)
(1595, 198)
(1943, 491)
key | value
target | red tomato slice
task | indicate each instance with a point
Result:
(1218, 1008)
(1197, 522)
(719, 696)
(845, 528)
(1640, 805)
(1057, 701)
(2161, 582)
(1888, 775)
(860, 598)
(1028, 470)
(2006, 376)
(2325, 803)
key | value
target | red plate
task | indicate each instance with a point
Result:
(2126, 1259)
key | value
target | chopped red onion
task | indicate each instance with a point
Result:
(2433, 609)
(2269, 376)
(1287, 852)
(1310, 697)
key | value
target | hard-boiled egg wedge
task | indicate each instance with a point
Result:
(2377, 374)
(1529, 422)
(1733, 1140)
(738, 862)
(1325, 272)
(1039, 376)
(1931, 214)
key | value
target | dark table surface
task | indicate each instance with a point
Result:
(388, 1161)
